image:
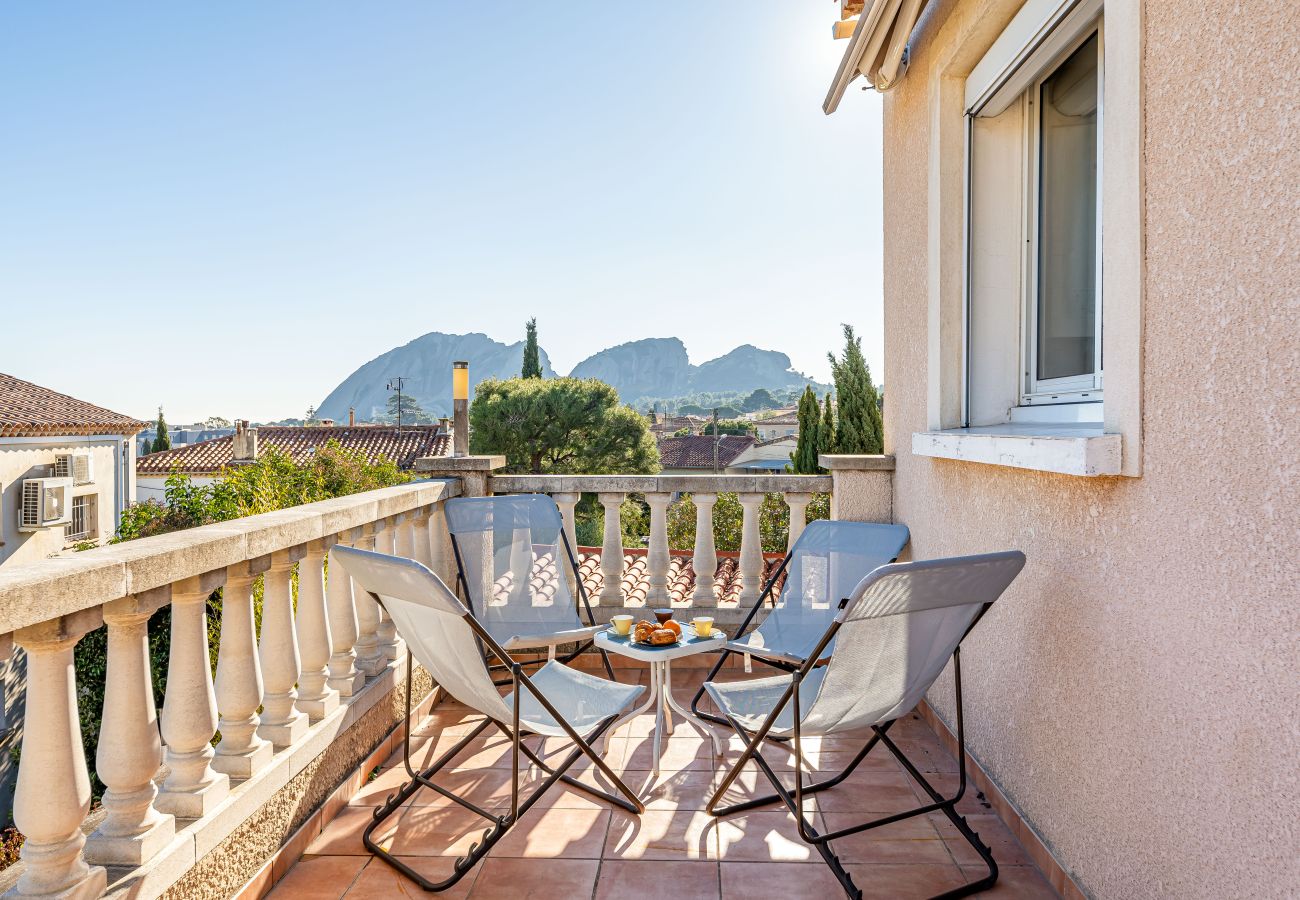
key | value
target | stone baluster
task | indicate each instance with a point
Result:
(390, 645)
(53, 793)
(567, 501)
(657, 556)
(611, 553)
(344, 676)
(751, 549)
(189, 716)
(798, 504)
(241, 752)
(315, 696)
(705, 561)
(129, 753)
(441, 559)
(282, 722)
(370, 656)
(417, 536)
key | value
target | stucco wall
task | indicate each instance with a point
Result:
(1134, 694)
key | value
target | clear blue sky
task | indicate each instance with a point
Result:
(226, 208)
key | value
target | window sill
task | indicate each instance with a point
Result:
(1077, 449)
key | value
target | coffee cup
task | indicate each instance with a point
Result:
(703, 626)
(622, 624)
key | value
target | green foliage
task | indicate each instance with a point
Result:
(412, 412)
(216, 422)
(804, 459)
(826, 434)
(773, 521)
(690, 409)
(860, 429)
(758, 400)
(162, 439)
(560, 425)
(532, 358)
(730, 426)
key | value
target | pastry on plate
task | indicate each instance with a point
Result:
(661, 637)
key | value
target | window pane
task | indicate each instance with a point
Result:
(1067, 216)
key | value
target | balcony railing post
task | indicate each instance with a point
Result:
(611, 554)
(241, 752)
(282, 722)
(417, 537)
(370, 656)
(390, 645)
(751, 549)
(315, 697)
(657, 557)
(344, 676)
(440, 546)
(129, 752)
(53, 793)
(798, 504)
(705, 561)
(189, 716)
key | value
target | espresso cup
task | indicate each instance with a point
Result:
(622, 624)
(703, 626)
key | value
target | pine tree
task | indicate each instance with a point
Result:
(826, 437)
(532, 359)
(859, 429)
(163, 439)
(804, 459)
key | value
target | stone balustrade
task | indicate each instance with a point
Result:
(278, 698)
(660, 491)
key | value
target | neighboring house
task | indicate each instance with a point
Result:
(204, 461)
(670, 425)
(765, 456)
(693, 454)
(67, 470)
(180, 436)
(784, 424)
(1060, 177)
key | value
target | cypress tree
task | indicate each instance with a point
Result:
(827, 434)
(860, 429)
(804, 459)
(532, 359)
(162, 440)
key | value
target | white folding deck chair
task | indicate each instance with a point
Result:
(555, 701)
(823, 567)
(893, 635)
(514, 565)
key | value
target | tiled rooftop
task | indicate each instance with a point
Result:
(300, 443)
(572, 845)
(681, 575)
(696, 451)
(27, 409)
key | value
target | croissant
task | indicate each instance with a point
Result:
(642, 631)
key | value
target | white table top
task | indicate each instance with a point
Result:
(688, 645)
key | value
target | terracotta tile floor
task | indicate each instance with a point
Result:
(572, 845)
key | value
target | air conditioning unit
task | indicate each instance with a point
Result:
(46, 502)
(77, 466)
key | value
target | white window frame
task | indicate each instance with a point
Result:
(89, 504)
(1075, 388)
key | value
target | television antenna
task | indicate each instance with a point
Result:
(396, 384)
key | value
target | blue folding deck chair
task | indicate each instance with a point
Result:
(822, 568)
(893, 634)
(513, 564)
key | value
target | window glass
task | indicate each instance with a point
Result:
(1067, 217)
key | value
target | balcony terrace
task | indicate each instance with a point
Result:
(310, 710)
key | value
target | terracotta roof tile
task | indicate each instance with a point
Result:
(28, 409)
(301, 443)
(681, 576)
(696, 451)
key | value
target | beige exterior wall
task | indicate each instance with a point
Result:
(1134, 694)
(32, 458)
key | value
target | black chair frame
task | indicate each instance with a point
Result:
(500, 824)
(462, 588)
(793, 800)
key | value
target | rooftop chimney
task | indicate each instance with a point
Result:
(244, 442)
(445, 424)
(352, 417)
(326, 423)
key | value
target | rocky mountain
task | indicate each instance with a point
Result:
(650, 368)
(425, 363)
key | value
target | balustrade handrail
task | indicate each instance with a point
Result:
(765, 484)
(37, 592)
